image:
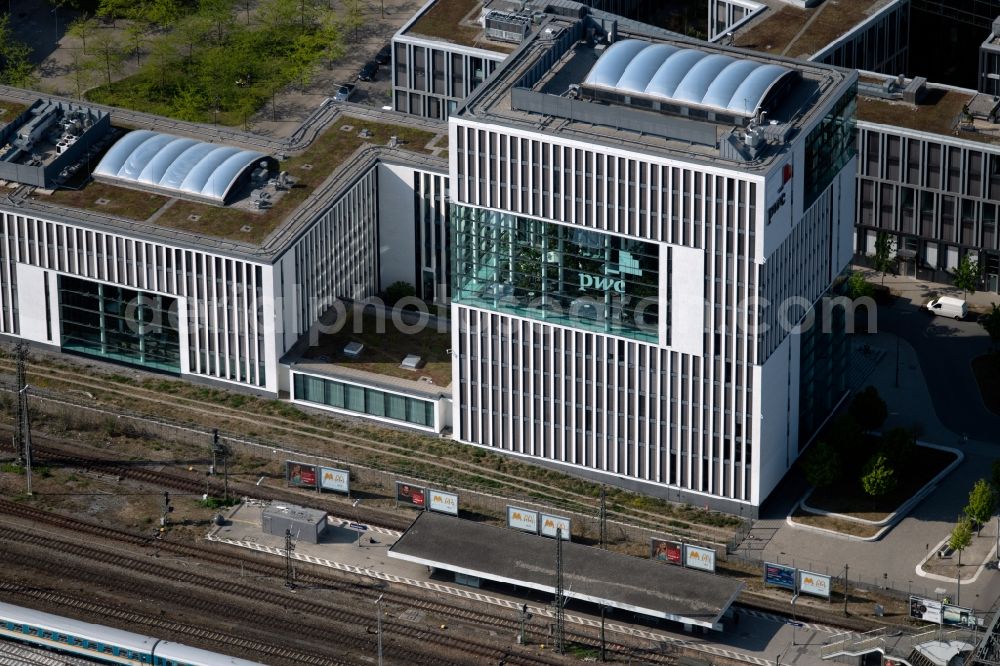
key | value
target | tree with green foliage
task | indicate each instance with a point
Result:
(397, 291)
(218, 13)
(108, 56)
(991, 322)
(858, 286)
(822, 465)
(982, 502)
(81, 28)
(80, 71)
(878, 477)
(961, 537)
(869, 409)
(967, 275)
(884, 258)
(16, 68)
(114, 10)
(160, 13)
(354, 18)
(899, 445)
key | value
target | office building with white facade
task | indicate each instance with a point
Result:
(639, 230)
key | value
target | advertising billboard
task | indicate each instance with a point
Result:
(956, 615)
(409, 494)
(666, 551)
(927, 610)
(443, 502)
(552, 523)
(300, 475)
(337, 480)
(522, 519)
(699, 558)
(779, 575)
(814, 583)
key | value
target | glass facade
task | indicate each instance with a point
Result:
(831, 145)
(363, 400)
(823, 359)
(564, 275)
(115, 324)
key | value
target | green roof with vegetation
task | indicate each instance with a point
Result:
(447, 20)
(802, 32)
(310, 168)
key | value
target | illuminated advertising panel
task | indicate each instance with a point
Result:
(927, 610)
(300, 475)
(550, 524)
(779, 575)
(337, 480)
(522, 519)
(443, 502)
(407, 493)
(699, 558)
(666, 551)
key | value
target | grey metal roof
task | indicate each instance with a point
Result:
(685, 76)
(186, 166)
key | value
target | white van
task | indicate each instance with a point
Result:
(948, 306)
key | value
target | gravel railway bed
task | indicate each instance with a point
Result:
(541, 490)
(267, 567)
(263, 597)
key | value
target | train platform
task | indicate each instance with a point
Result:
(754, 638)
(605, 578)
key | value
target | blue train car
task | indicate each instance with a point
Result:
(104, 644)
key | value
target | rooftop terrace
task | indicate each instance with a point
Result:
(799, 33)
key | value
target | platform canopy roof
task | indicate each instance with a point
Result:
(594, 575)
(185, 166)
(686, 76)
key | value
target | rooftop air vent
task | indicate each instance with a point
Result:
(506, 27)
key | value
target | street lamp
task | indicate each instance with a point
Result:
(794, 621)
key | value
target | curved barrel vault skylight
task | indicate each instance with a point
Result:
(685, 76)
(186, 166)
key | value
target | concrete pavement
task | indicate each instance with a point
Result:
(893, 560)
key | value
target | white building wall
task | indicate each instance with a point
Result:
(226, 338)
(36, 321)
(397, 224)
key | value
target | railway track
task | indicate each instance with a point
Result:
(258, 565)
(253, 600)
(134, 396)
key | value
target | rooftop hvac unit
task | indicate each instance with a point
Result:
(507, 27)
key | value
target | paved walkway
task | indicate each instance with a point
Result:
(893, 561)
(921, 291)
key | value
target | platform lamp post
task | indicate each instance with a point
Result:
(847, 587)
(378, 626)
(357, 521)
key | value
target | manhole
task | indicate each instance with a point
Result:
(102, 201)
(347, 128)
(194, 218)
(307, 167)
(246, 228)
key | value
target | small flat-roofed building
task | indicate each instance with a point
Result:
(305, 524)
